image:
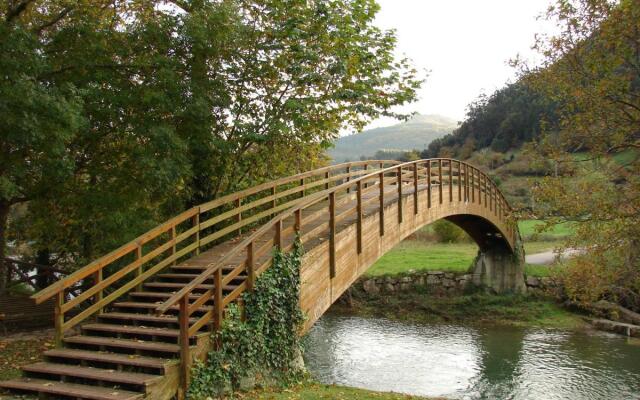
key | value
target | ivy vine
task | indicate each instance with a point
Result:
(266, 344)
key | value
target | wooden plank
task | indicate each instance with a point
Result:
(70, 389)
(399, 183)
(381, 205)
(359, 216)
(332, 234)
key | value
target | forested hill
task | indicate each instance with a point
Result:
(503, 121)
(416, 133)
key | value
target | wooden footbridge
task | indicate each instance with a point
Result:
(154, 301)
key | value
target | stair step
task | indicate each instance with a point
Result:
(226, 268)
(124, 344)
(97, 374)
(134, 330)
(111, 358)
(163, 295)
(70, 389)
(153, 306)
(187, 276)
(169, 319)
(178, 286)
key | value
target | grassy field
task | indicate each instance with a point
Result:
(426, 255)
(314, 391)
(528, 229)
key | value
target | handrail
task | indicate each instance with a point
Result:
(186, 234)
(310, 200)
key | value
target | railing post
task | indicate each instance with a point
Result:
(332, 234)
(251, 274)
(348, 177)
(450, 181)
(58, 316)
(97, 278)
(196, 222)
(440, 178)
(139, 269)
(486, 188)
(479, 187)
(298, 223)
(274, 202)
(473, 185)
(302, 184)
(429, 184)
(381, 203)
(278, 234)
(399, 180)
(459, 181)
(366, 167)
(415, 187)
(185, 353)
(327, 175)
(173, 239)
(359, 215)
(238, 204)
(217, 299)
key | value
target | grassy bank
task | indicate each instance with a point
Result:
(314, 391)
(476, 308)
(450, 257)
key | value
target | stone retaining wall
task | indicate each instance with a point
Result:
(434, 281)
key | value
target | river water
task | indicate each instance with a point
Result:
(472, 362)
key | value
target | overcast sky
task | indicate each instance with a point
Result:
(466, 44)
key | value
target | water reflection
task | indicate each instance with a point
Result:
(471, 362)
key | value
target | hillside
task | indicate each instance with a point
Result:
(416, 133)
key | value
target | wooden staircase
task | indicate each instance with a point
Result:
(128, 352)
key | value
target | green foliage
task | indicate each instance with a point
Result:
(590, 69)
(447, 232)
(117, 115)
(502, 121)
(267, 342)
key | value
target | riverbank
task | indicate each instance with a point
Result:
(316, 391)
(420, 305)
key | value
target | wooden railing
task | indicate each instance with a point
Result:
(183, 236)
(319, 212)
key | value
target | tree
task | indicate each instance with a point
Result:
(148, 107)
(591, 71)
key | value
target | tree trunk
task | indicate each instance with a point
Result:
(4, 270)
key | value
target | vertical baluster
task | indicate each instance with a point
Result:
(415, 187)
(97, 279)
(327, 175)
(348, 177)
(302, 184)
(359, 215)
(429, 184)
(486, 188)
(298, 223)
(459, 181)
(381, 203)
(274, 202)
(440, 178)
(238, 204)
(58, 316)
(473, 185)
(277, 238)
(251, 274)
(217, 299)
(366, 167)
(196, 222)
(479, 187)
(450, 181)
(332, 234)
(399, 183)
(173, 240)
(139, 269)
(185, 356)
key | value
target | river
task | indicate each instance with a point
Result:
(472, 362)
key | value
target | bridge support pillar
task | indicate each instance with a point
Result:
(498, 269)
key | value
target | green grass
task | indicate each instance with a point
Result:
(408, 255)
(528, 229)
(450, 257)
(315, 391)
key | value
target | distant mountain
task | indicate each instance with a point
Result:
(416, 133)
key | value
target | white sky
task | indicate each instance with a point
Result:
(466, 44)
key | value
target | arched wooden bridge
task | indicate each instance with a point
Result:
(153, 302)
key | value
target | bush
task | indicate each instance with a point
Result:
(447, 232)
